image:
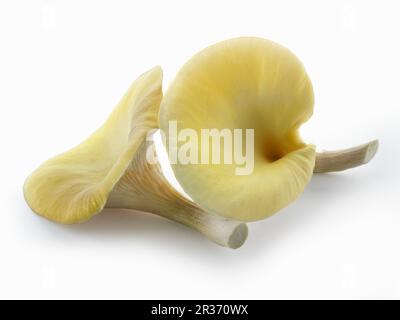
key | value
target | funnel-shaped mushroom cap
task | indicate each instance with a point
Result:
(243, 83)
(75, 185)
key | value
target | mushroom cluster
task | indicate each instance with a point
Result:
(243, 83)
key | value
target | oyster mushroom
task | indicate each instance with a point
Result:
(248, 83)
(110, 169)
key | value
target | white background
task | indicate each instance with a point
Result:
(65, 64)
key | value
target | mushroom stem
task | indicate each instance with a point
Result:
(330, 161)
(143, 187)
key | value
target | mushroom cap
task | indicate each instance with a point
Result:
(74, 186)
(243, 83)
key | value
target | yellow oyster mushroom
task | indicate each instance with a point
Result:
(113, 168)
(254, 84)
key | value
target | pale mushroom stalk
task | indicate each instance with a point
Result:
(110, 168)
(144, 187)
(330, 161)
